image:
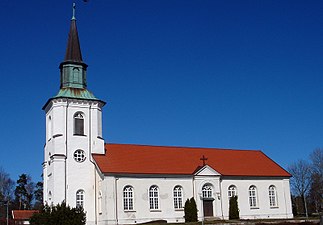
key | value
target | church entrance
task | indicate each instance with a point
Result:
(208, 207)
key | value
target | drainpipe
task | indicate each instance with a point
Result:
(193, 185)
(221, 198)
(284, 198)
(116, 191)
(202, 209)
(90, 157)
(66, 119)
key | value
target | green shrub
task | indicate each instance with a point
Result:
(233, 208)
(190, 210)
(59, 215)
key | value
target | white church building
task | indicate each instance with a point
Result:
(129, 184)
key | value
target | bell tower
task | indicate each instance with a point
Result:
(73, 134)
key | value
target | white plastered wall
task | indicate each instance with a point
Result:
(64, 176)
(112, 191)
(263, 209)
(112, 188)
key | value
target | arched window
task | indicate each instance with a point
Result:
(100, 202)
(272, 196)
(80, 198)
(128, 198)
(207, 191)
(153, 197)
(78, 124)
(178, 197)
(232, 191)
(253, 197)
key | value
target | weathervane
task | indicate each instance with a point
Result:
(74, 6)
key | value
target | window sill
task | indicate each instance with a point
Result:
(255, 207)
(80, 135)
(181, 209)
(155, 210)
(129, 211)
(274, 207)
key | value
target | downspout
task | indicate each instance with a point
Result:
(284, 189)
(66, 119)
(193, 185)
(116, 191)
(90, 151)
(221, 198)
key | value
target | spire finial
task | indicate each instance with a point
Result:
(74, 6)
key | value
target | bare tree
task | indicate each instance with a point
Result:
(317, 161)
(301, 172)
(6, 186)
(316, 189)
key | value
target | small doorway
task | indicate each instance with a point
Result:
(208, 207)
(207, 194)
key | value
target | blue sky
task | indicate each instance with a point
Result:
(226, 74)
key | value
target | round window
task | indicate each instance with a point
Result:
(79, 155)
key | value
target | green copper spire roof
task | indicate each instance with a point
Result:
(73, 70)
(76, 93)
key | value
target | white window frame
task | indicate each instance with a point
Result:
(207, 191)
(154, 198)
(232, 191)
(178, 197)
(253, 197)
(78, 120)
(80, 194)
(79, 155)
(272, 193)
(128, 198)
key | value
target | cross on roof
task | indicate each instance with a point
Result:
(203, 159)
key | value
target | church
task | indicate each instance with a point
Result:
(130, 184)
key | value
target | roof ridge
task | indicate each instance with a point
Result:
(190, 147)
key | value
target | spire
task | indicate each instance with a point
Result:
(73, 69)
(73, 50)
(73, 83)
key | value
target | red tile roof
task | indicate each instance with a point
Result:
(143, 159)
(23, 214)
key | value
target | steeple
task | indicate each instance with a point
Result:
(73, 50)
(73, 70)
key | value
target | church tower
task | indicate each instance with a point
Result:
(73, 134)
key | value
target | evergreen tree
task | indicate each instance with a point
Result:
(190, 210)
(193, 210)
(60, 214)
(24, 192)
(187, 211)
(233, 208)
(38, 195)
